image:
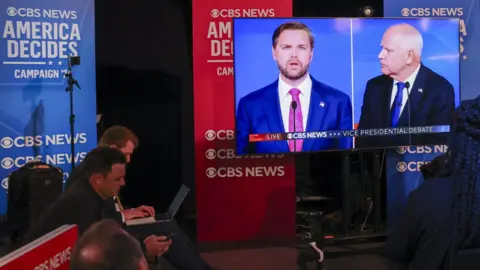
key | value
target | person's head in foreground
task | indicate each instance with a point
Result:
(464, 152)
(120, 137)
(401, 51)
(106, 246)
(104, 168)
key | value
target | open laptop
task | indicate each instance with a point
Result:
(177, 202)
(171, 212)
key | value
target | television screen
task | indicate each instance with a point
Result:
(322, 84)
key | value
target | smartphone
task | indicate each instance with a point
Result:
(169, 236)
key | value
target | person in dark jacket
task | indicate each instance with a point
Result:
(125, 140)
(442, 216)
(88, 200)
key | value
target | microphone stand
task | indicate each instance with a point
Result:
(71, 81)
(407, 86)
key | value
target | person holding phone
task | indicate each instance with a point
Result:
(89, 200)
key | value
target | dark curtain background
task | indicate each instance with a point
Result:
(143, 72)
(144, 48)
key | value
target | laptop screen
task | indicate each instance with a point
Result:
(178, 200)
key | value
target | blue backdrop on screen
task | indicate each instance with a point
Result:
(37, 37)
(440, 51)
(399, 183)
(254, 64)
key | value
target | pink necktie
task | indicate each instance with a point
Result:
(297, 146)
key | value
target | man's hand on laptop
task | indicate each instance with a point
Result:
(139, 212)
(146, 209)
(133, 213)
(157, 245)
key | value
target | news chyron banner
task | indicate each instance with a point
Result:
(239, 198)
(403, 175)
(37, 39)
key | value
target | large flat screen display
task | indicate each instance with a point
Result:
(322, 84)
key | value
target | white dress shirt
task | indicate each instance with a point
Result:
(286, 100)
(117, 207)
(411, 81)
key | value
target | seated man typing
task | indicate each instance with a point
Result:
(89, 200)
(86, 202)
(123, 139)
(126, 141)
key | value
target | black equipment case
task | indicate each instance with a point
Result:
(31, 190)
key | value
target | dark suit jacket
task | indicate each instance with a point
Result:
(420, 240)
(75, 176)
(432, 102)
(259, 113)
(79, 205)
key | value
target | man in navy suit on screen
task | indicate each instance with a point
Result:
(319, 107)
(407, 94)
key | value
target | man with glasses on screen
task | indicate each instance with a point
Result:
(295, 102)
(407, 94)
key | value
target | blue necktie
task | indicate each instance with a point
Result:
(397, 104)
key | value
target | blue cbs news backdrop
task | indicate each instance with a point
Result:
(403, 175)
(37, 39)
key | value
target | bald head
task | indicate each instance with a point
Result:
(408, 37)
(90, 253)
(106, 246)
(401, 52)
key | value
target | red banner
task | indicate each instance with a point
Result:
(238, 198)
(52, 251)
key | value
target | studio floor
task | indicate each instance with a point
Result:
(364, 256)
(282, 258)
(359, 257)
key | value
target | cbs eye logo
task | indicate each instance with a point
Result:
(214, 13)
(402, 150)
(11, 11)
(5, 183)
(210, 135)
(211, 172)
(210, 154)
(6, 142)
(401, 166)
(7, 163)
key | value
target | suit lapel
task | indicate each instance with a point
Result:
(317, 112)
(273, 115)
(416, 94)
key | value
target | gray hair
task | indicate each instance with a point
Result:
(412, 38)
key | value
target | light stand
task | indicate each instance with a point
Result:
(72, 61)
